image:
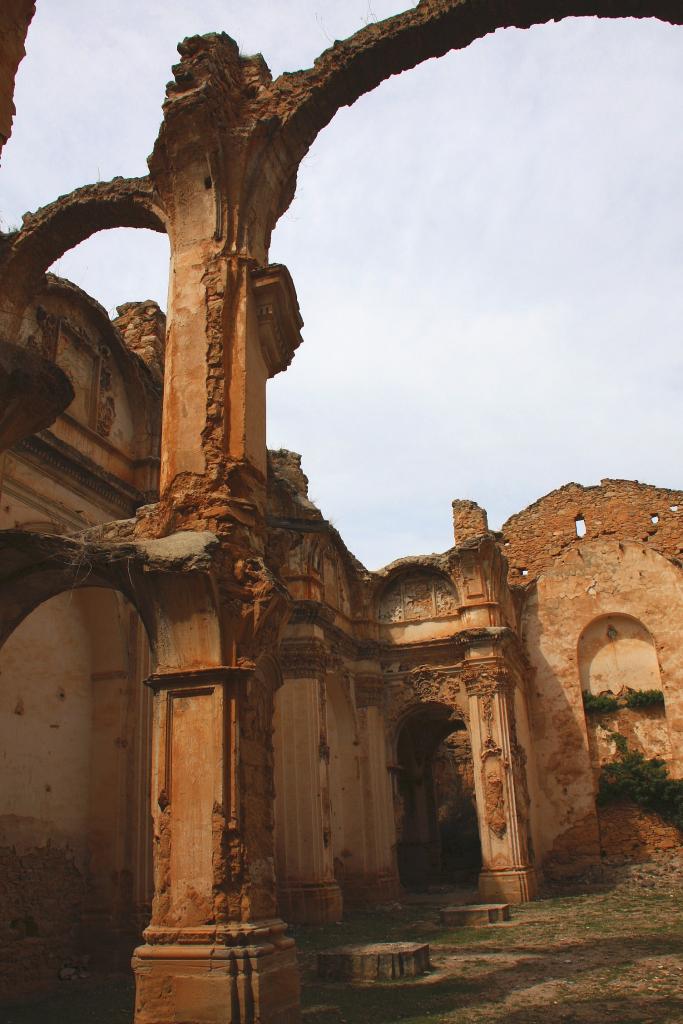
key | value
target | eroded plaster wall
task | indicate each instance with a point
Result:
(600, 581)
(74, 812)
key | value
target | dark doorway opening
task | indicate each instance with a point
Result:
(437, 829)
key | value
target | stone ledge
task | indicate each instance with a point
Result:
(387, 961)
(475, 914)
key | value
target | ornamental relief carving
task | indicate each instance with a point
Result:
(424, 685)
(494, 796)
(487, 680)
(433, 685)
(303, 659)
(418, 595)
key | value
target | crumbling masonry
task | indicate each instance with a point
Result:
(183, 629)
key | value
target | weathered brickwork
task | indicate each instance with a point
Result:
(142, 326)
(623, 509)
(41, 901)
(629, 832)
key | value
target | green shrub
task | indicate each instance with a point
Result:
(595, 705)
(644, 781)
(645, 699)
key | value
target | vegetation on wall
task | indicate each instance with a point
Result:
(634, 699)
(644, 781)
(596, 705)
(645, 699)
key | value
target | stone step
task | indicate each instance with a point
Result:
(382, 961)
(475, 914)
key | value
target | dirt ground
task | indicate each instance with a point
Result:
(611, 954)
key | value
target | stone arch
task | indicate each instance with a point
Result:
(178, 606)
(308, 100)
(54, 229)
(616, 653)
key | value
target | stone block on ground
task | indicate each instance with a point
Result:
(382, 961)
(475, 914)
(321, 1015)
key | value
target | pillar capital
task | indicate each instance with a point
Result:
(488, 679)
(303, 658)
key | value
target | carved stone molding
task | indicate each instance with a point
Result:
(480, 681)
(303, 659)
(434, 685)
(494, 796)
(278, 315)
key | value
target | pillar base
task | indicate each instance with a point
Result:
(508, 885)
(360, 892)
(310, 902)
(233, 974)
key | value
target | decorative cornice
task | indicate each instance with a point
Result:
(486, 680)
(197, 678)
(279, 319)
(46, 449)
(305, 658)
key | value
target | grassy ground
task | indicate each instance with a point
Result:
(609, 956)
(584, 959)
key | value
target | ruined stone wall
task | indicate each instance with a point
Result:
(42, 895)
(623, 509)
(592, 583)
(15, 18)
(630, 833)
(645, 730)
(142, 326)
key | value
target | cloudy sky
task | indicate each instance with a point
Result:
(487, 250)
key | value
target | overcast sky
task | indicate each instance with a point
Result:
(487, 249)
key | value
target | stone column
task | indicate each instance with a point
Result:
(307, 890)
(379, 881)
(214, 952)
(500, 786)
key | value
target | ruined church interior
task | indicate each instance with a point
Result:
(217, 726)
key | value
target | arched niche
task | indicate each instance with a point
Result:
(616, 653)
(415, 595)
(75, 826)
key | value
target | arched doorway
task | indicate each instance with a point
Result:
(437, 831)
(75, 830)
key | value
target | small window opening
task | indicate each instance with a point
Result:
(580, 524)
(207, 181)
(524, 572)
(654, 517)
(673, 508)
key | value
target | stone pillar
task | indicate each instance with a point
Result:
(307, 890)
(214, 952)
(379, 880)
(469, 520)
(500, 786)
